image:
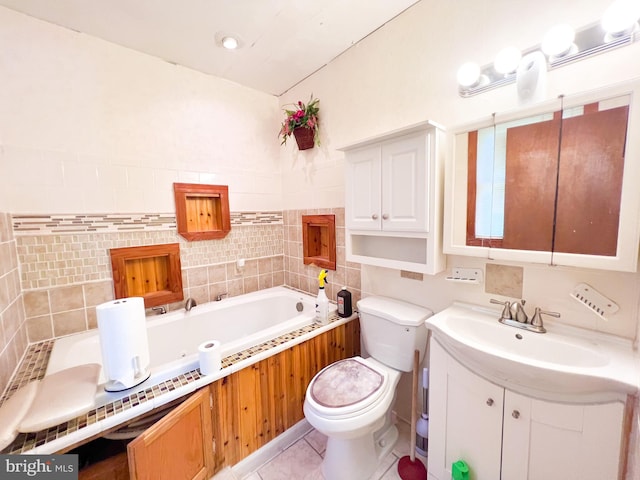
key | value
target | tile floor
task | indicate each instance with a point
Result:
(303, 458)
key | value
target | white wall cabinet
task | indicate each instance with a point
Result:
(393, 202)
(504, 435)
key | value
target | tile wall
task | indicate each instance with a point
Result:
(305, 277)
(66, 267)
(66, 274)
(13, 336)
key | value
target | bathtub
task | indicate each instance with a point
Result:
(237, 322)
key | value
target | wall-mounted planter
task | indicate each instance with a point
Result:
(202, 211)
(319, 240)
(152, 272)
(304, 137)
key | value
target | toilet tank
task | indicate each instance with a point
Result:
(392, 329)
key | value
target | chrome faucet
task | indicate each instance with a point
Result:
(514, 315)
(189, 304)
(159, 310)
(220, 296)
(518, 313)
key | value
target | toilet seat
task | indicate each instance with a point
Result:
(347, 387)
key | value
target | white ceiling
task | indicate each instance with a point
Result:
(282, 41)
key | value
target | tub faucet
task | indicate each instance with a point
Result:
(220, 296)
(159, 310)
(189, 304)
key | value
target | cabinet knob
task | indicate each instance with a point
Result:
(385, 216)
(490, 401)
(374, 216)
(515, 414)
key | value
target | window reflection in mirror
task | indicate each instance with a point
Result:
(550, 182)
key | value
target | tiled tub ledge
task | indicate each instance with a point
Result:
(107, 417)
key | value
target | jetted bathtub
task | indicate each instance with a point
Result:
(237, 322)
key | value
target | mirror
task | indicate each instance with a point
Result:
(547, 184)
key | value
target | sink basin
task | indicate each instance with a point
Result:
(563, 362)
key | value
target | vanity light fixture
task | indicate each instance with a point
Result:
(621, 18)
(561, 45)
(507, 60)
(558, 41)
(469, 75)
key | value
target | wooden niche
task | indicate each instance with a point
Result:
(319, 240)
(152, 272)
(202, 211)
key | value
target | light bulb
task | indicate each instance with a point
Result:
(229, 43)
(558, 41)
(621, 17)
(507, 60)
(468, 74)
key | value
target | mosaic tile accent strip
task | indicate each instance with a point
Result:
(24, 225)
(33, 367)
(35, 364)
(256, 218)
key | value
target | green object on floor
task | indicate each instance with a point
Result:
(459, 470)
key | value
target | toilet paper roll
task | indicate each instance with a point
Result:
(123, 340)
(210, 357)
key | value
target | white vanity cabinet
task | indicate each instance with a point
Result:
(504, 435)
(393, 199)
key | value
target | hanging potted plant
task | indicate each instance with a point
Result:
(302, 123)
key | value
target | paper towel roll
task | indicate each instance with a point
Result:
(210, 357)
(123, 339)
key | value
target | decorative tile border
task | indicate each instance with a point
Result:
(34, 366)
(24, 225)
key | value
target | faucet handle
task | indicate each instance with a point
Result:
(518, 313)
(536, 320)
(506, 311)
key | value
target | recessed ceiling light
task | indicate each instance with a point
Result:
(230, 43)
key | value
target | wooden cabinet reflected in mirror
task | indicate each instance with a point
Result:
(550, 182)
(562, 182)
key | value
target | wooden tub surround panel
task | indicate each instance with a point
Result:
(256, 404)
(220, 424)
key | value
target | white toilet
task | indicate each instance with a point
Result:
(350, 400)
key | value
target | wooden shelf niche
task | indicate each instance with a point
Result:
(152, 272)
(202, 211)
(319, 240)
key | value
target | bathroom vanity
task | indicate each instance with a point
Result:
(518, 405)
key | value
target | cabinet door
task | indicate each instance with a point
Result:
(363, 189)
(552, 441)
(177, 447)
(405, 184)
(465, 419)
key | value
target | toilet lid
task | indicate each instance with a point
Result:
(346, 383)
